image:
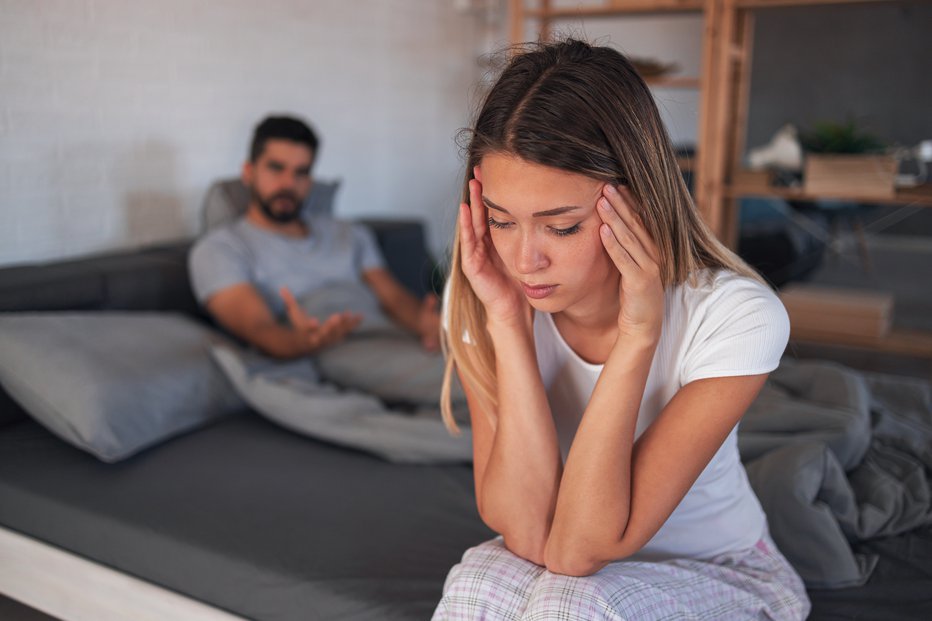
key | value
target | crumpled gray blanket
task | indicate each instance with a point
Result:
(838, 456)
(294, 395)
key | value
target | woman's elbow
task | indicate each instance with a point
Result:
(574, 558)
(527, 548)
(525, 539)
(576, 565)
(570, 558)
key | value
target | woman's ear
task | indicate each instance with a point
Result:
(477, 173)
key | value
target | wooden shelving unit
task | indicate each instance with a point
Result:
(722, 145)
(921, 195)
(724, 88)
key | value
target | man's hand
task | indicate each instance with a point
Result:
(429, 322)
(420, 318)
(311, 333)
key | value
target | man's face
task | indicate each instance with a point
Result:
(280, 179)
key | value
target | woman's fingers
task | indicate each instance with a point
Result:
(480, 221)
(638, 224)
(474, 228)
(623, 236)
(616, 251)
(467, 234)
(621, 199)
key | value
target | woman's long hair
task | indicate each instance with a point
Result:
(582, 109)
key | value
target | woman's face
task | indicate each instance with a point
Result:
(544, 225)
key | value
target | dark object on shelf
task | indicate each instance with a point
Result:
(786, 178)
(774, 243)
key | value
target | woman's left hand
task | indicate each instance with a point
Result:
(637, 258)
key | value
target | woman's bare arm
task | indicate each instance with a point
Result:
(517, 461)
(615, 494)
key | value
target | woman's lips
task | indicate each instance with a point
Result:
(538, 291)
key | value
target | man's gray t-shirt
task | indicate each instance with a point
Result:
(330, 259)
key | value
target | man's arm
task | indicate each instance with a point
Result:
(420, 317)
(241, 310)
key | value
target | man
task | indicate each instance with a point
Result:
(269, 264)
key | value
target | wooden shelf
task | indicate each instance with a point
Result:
(686, 163)
(674, 82)
(903, 342)
(614, 8)
(921, 195)
(766, 4)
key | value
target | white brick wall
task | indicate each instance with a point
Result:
(116, 115)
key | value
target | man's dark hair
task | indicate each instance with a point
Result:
(281, 128)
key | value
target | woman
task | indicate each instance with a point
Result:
(608, 346)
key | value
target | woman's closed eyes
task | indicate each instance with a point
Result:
(495, 224)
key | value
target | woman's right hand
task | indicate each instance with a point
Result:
(501, 295)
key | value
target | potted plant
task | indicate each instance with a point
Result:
(846, 161)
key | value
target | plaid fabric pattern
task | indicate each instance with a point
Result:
(492, 583)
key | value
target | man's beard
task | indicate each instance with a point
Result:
(282, 217)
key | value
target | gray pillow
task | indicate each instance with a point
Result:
(113, 383)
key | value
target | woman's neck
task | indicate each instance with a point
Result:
(591, 326)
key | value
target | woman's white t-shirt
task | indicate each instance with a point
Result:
(725, 325)
(722, 325)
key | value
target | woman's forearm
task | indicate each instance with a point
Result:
(594, 500)
(522, 476)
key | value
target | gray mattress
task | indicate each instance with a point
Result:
(343, 536)
(899, 589)
(250, 518)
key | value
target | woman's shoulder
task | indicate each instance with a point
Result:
(733, 325)
(718, 284)
(722, 296)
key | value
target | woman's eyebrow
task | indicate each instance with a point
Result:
(539, 214)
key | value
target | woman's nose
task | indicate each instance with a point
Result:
(531, 257)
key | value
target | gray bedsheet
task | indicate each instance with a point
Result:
(898, 589)
(250, 518)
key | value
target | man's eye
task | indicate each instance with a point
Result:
(495, 224)
(563, 232)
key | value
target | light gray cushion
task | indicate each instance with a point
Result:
(113, 383)
(227, 199)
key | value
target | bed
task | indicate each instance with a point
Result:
(240, 518)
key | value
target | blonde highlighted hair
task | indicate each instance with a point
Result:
(583, 109)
